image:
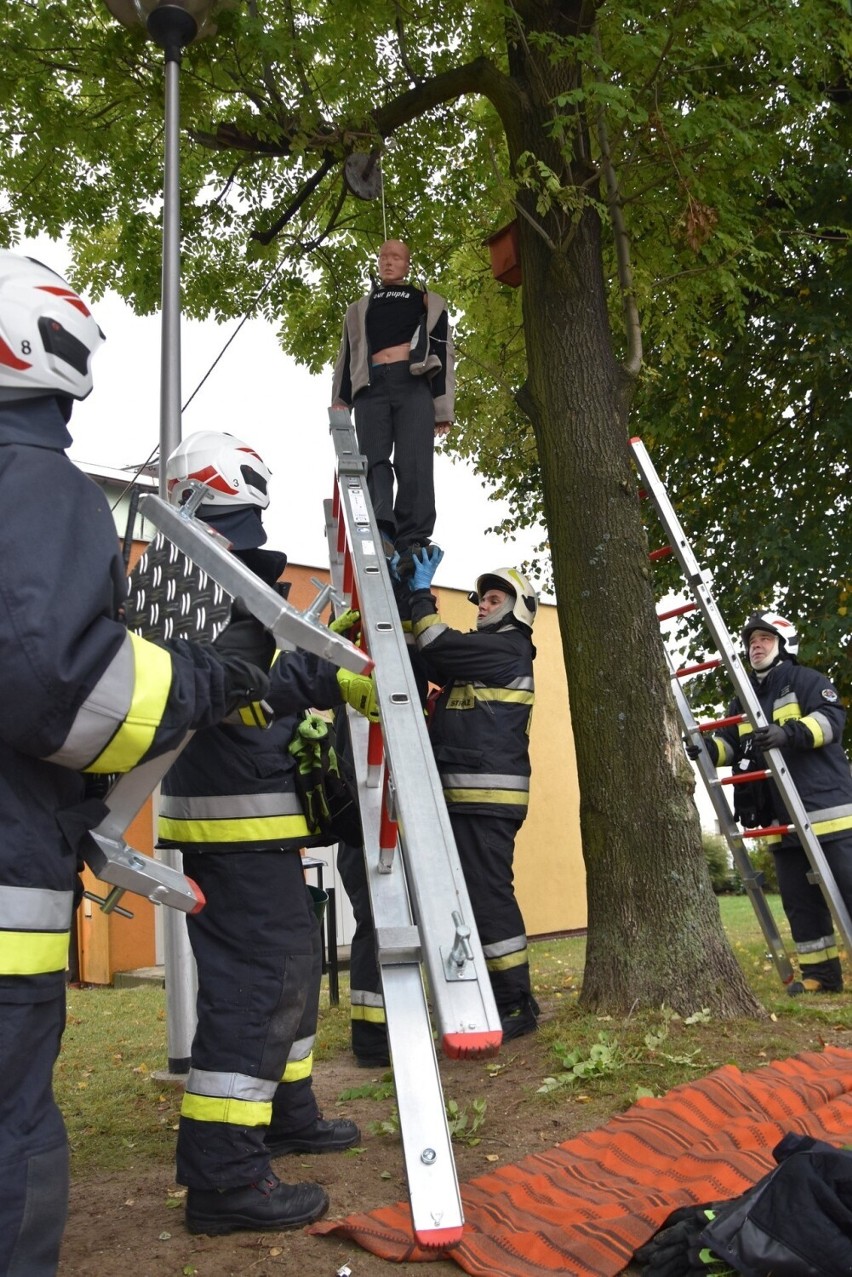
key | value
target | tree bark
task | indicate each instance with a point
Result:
(655, 934)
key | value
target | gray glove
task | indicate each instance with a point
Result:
(245, 637)
(772, 736)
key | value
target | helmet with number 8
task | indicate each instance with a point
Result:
(47, 333)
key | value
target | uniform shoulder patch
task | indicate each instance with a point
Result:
(829, 694)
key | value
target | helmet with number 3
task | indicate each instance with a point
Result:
(47, 333)
(234, 473)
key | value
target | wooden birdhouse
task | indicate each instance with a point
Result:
(505, 258)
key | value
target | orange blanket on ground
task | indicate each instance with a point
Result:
(584, 1206)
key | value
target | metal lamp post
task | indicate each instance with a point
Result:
(172, 24)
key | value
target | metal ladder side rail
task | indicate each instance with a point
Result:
(751, 878)
(416, 827)
(698, 583)
(434, 1196)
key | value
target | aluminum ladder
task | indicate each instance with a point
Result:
(698, 582)
(421, 909)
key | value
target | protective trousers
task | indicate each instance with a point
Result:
(486, 847)
(366, 1002)
(259, 956)
(33, 1144)
(395, 417)
(810, 920)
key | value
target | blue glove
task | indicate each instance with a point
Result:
(425, 567)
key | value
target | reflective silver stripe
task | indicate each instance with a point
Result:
(830, 813)
(426, 633)
(232, 1086)
(102, 713)
(825, 725)
(790, 699)
(361, 998)
(35, 909)
(301, 1049)
(229, 806)
(484, 780)
(501, 947)
(816, 946)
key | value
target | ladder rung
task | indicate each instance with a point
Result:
(677, 611)
(696, 669)
(745, 779)
(767, 830)
(663, 553)
(721, 722)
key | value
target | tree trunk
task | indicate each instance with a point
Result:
(655, 933)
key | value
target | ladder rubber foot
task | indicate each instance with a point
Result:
(472, 1046)
(438, 1238)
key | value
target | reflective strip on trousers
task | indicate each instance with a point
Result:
(233, 1098)
(503, 955)
(364, 1005)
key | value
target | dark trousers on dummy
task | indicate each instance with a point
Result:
(395, 418)
(258, 951)
(486, 847)
(807, 913)
(33, 1144)
(366, 1003)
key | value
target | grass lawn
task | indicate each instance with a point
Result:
(117, 1112)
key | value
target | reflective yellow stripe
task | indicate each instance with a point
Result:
(819, 827)
(212, 1108)
(33, 952)
(508, 961)
(298, 1070)
(814, 726)
(245, 829)
(152, 681)
(510, 797)
(372, 1015)
(515, 696)
(811, 959)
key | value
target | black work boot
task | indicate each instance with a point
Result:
(267, 1205)
(521, 1019)
(320, 1137)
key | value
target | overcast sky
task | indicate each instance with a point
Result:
(259, 394)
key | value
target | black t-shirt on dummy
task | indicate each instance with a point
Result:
(393, 314)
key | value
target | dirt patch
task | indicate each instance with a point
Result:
(133, 1222)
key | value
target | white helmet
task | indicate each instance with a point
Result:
(235, 474)
(47, 333)
(510, 581)
(773, 624)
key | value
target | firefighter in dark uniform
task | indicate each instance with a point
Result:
(230, 804)
(479, 727)
(81, 697)
(805, 722)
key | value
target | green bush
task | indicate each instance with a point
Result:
(719, 864)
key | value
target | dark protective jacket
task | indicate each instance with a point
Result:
(480, 723)
(806, 704)
(233, 788)
(80, 694)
